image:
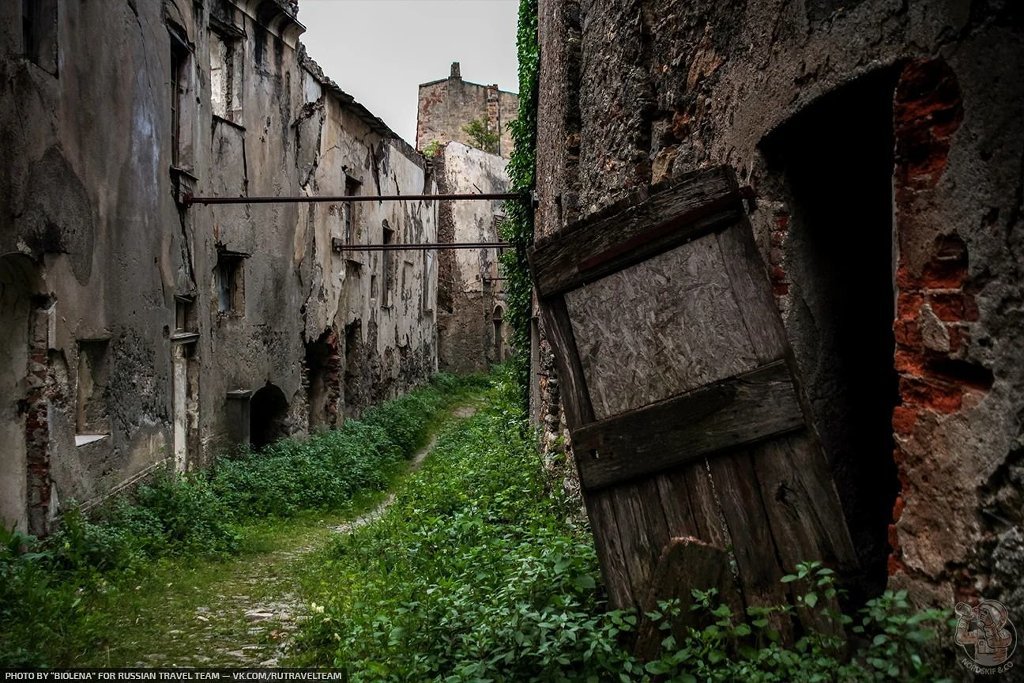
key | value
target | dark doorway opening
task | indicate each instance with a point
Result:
(268, 409)
(323, 367)
(497, 319)
(834, 160)
(354, 364)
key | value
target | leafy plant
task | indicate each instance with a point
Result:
(481, 137)
(476, 573)
(432, 149)
(517, 228)
(731, 648)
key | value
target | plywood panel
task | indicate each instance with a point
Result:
(622, 235)
(659, 328)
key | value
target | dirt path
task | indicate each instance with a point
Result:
(239, 613)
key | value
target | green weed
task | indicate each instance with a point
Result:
(57, 598)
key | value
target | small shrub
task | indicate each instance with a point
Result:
(480, 137)
(432, 149)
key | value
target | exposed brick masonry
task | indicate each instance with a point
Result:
(934, 303)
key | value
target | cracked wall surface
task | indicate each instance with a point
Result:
(635, 93)
(97, 250)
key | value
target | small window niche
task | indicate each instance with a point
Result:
(226, 72)
(39, 33)
(387, 239)
(179, 82)
(92, 418)
(230, 277)
(350, 210)
(186, 323)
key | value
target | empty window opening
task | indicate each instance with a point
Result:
(185, 315)
(387, 237)
(230, 282)
(225, 76)
(39, 33)
(835, 160)
(323, 368)
(91, 417)
(268, 410)
(179, 62)
(350, 210)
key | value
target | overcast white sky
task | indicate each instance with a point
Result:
(379, 51)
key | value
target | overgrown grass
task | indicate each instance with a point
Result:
(50, 592)
(475, 574)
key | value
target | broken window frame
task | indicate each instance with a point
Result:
(229, 283)
(228, 37)
(350, 216)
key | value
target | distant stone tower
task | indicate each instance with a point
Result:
(448, 105)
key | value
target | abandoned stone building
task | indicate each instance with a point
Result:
(471, 332)
(139, 330)
(876, 152)
(447, 106)
(471, 329)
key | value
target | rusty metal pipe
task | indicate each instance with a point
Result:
(419, 246)
(189, 200)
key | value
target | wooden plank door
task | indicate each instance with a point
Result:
(681, 398)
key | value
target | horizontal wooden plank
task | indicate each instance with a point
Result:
(595, 247)
(740, 410)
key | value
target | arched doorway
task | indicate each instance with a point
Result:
(268, 409)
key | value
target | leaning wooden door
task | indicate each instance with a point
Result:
(681, 397)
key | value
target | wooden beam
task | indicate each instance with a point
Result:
(740, 410)
(593, 248)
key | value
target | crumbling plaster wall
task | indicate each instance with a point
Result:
(82, 195)
(470, 291)
(260, 341)
(634, 93)
(348, 287)
(89, 196)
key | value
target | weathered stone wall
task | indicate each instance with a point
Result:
(137, 329)
(447, 106)
(391, 293)
(471, 295)
(900, 122)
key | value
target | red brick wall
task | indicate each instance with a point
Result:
(934, 300)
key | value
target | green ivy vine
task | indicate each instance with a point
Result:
(517, 228)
